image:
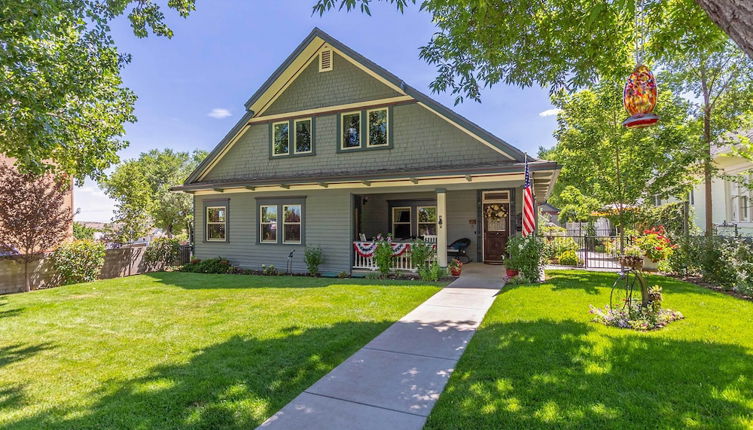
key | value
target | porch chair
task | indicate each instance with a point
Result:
(458, 248)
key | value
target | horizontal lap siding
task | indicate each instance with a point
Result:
(461, 208)
(327, 224)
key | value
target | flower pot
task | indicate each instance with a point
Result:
(511, 273)
(455, 271)
(650, 265)
(633, 262)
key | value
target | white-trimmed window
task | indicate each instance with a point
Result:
(303, 142)
(268, 223)
(401, 222)
(740, 201)
(427, 220)
(216, 223)
(291, 224)
(281, 138)
(350, 130)
(378, 123)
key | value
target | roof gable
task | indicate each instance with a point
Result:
(300, 60)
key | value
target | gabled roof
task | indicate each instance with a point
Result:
(312, 43)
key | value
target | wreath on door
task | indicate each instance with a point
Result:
(496, 212)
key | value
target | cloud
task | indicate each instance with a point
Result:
(92, 203)
(550, 112)
(219, 113)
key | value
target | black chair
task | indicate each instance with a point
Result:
(458, 250)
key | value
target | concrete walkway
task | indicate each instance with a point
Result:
(394, 381)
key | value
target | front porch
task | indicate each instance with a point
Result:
(477, 221)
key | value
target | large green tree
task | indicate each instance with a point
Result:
(622, 167)
(719, 81)
(62, 102)
(553, 43)
(141, 188)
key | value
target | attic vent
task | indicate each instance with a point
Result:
(325, 60)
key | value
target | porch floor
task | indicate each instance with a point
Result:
(394, 381)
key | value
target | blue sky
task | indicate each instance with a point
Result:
(191, 88)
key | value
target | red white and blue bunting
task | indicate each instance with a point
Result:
(367, 249)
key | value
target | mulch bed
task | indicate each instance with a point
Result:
(697, 280)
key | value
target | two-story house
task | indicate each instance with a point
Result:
(333, 150)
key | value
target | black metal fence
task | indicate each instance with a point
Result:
(185, 254)
(591, 251)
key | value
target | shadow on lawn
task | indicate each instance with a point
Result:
(590, 282)
(12, 353)
(7, 313)
(236, 383)
(545, 373)
(204, 281)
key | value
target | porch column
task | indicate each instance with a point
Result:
(442, 227)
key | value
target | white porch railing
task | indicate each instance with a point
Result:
(399, 262)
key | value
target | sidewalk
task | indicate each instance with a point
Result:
(394, 381)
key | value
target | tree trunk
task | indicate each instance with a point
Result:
(734, 17)
(707, 173)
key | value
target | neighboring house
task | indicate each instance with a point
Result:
(333, 149)
(550, 213)
(732, 212)
(68, 202)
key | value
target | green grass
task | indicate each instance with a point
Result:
(180, 350)
(538, 362)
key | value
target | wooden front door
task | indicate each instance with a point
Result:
(495, 231)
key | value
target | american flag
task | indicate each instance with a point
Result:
(529, 214)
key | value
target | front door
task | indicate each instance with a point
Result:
(496, 222)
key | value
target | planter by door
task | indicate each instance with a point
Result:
(495, 234)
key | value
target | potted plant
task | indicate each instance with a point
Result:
(455, 266)
(632, 257)
(655, 246)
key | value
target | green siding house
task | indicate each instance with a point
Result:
(334, 150)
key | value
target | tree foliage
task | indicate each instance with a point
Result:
(619, 166)
(33, 214)
(62, 102)
(83, 232)
(556, 44)
(142, 189)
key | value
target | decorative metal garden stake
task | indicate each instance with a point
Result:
(639, 98)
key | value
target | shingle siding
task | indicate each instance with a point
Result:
(327, 223)
(421, 140)
(346, 83)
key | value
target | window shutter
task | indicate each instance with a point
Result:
(325, 60)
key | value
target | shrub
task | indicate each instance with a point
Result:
(270, 270)
(343, 275)
(78, 261)
(383, 257)
(314, 258)
(525, 254)
(432, 272)
(162, 252)
(212, 265)
(569, 258)
(421, 253)
(557, 246)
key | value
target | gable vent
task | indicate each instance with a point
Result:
(325, 60)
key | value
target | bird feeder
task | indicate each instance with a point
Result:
(639, 98)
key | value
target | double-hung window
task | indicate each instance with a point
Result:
(216, 223)
(401, 222)
(740, 200)
(281, 221)
(427, 220)
(364, 129)
(268, 223)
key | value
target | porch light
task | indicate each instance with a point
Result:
(439, 222)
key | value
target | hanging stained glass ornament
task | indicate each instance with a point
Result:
(640, 94)
(639, 98)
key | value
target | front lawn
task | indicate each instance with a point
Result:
(181, 350)
(538, 362)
